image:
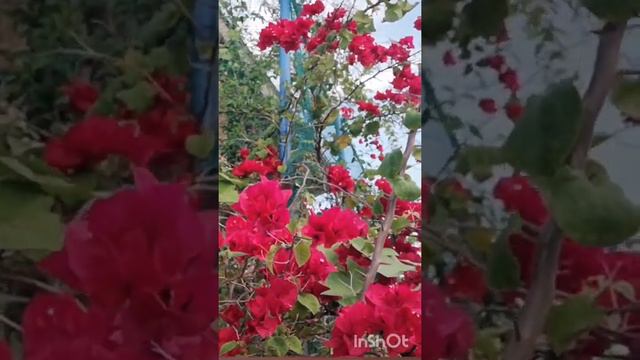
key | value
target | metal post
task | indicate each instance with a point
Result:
(285, 79)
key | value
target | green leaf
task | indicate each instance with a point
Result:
(405, 188)
(228, 346)
(364, 246)
(626, 97)
(365, 22)
(399, 224)
(568, 320)
(504, 269)
(593, 211)
(616, 11)
(138, 98)
(417, 153)
(544, 137)
(397, 11)
(309, 301)
(278, 345)
(474, 159)
(487, 346)
(271, 256)
(413, 120)
(371, 128)
(391, 266)
(391, 166)
(227, 193)
(378, 209)
(346, 284)
(294, 344)
(483, 18)
(200, 145)
(26, 220)
(160, 24)
(302, 251)
(437, 20)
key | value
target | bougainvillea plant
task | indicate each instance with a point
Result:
(527, 239)
(316, 258)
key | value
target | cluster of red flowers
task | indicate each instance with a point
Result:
(262, 222)
(339, 179)
(158, 134)
(310, 276)
(369, 108)
(450, 332)
(408, 85)
(611, 274)
(268, 305)
(286, 33)
(509, 78)
(332, 25)
(364, 50)
(333, 226)
(262, 219)
(391, 312)
(266, 166)
(144, 261)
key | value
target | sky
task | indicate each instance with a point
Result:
(621, 154)
(384, 34)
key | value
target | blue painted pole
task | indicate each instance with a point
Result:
(285, 79)
(338, 126)
(204, 72)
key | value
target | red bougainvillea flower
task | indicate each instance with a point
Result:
(244, 153)
(448, 58)
(390, 312)
(309, 276)
(269, 303)
(252, 238)
(384, 185)
(227, 335)
(369, 108)
(418, 23)
(265, 204)
(169, 126)
(5, 351)
(509, 78)
(514, 109)
(339, 179)
(94, 139)
(138, 241)
(396, 98)
(398, 52)
(496, 62)
(82, 95)
(366, 51)
(450, 334)
(347, 113)
(232, 315)
(488, 106)
(466, 282)
(335, 225)
(266, 166)
(289, 34)
(353, 321)
(312, 9)
(56, 328)
(518, 195)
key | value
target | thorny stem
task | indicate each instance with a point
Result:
(388, 218)
(542, 292)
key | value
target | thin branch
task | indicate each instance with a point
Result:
(388, 219)
(542, 292)
(5, 320)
